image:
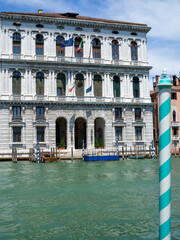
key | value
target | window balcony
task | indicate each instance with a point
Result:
(139, 119)
(16, 97)
(18, 119)
(176, 138)
(175, 124)
(40, 97)
(40, 118)
(40, 57)
(17, 56)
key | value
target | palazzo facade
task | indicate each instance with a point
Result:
(94, 90)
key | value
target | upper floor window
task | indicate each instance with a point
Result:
(138, 133)
(78, 47)
(115, 50)
(116, 86)
(16, 83)
(134, 55)
(136, 92)
(39, 44)
(39, 83)
(137, 113)
(40, 134)
(97, 85)
(174, 95)
(174, 115)
(60, 51)
(61, 84)
(16, 112)
(16, 134)
(79, 85)
(118, 114)
(40, 113)
(96, 45)
(16, 43)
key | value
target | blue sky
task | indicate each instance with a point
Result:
(161, 15)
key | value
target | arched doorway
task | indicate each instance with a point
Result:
(61, 132)
(99, 126)
(80, 133)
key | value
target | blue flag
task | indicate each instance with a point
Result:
(88, 89)
(68, 43)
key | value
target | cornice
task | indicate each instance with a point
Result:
(52, 103)
(77, 22)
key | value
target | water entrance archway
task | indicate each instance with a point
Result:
(80, 133)
(61, 132)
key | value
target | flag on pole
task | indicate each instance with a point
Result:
(70, 89)
(89, 89)
(68, 43)
(80, 47)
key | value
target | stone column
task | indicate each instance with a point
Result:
(90, 135)
(54, 86)
(122, 87)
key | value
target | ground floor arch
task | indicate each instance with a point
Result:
(61, 132)
(99, 128)
(80, 133)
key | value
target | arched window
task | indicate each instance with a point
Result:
(136, 92)
(16, 43)
(134, 55)
(78, 47)
(16, 83)
(115, 50)
(96, 45)
(97, 86)
(116, 86)
(60, 51)
(174, 115)
(39, 44)
(40, 83)
(79, 85)
(61, 84)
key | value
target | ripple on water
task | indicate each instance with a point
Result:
(78, 200)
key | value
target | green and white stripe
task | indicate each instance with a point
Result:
(164, 158)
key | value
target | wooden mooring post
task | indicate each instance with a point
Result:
(123, 153)
(72, 154)
(14, 155)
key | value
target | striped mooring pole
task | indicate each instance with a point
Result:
(38, 151)
(164, 158)
(117, 149)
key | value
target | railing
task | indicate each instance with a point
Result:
(175, 124)
(73, 59)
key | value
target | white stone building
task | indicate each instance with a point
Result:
(43, 84)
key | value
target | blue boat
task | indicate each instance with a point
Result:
(91, 158)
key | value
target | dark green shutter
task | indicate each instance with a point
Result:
(136, 87)
(116, 86)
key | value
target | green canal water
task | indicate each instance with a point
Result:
(80, 200)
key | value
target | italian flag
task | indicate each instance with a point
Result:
(70, 89)
(80, 47)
